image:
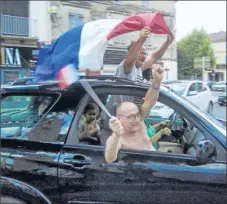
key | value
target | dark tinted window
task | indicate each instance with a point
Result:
(19, 114)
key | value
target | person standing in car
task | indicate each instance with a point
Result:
(137, 61)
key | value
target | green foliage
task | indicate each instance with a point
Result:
(195, 45)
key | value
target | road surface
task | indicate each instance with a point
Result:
(219, 111)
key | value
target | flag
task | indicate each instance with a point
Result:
(83, 47)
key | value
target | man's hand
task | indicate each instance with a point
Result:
(157, 72)
(116, 127)
(145, 32)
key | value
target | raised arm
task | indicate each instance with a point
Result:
(153, 92)
(134, 50)
(156, 55)
(113, 144)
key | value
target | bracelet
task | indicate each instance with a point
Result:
(155, 88)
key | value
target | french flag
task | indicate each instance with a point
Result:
(83, 47)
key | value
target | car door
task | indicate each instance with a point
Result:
(205, 96)
(193, 98)
(202, 103)
(30, 147)
(84, 176)
(163, 177)
(136, 176)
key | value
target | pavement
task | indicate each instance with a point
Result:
(219, 111)
(215, 95)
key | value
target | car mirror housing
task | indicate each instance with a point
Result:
(205, 152)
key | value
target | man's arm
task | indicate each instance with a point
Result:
(156, 55)
(134, 51)
(113, 144)
(153, 92)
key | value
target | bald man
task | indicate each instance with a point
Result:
(128, 127)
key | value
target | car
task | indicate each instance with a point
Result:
(195, 91)
(44, 161)
(23, 81)
(222, 99)
(210, 83)
(220, 86)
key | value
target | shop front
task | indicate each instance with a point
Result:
(17, 62)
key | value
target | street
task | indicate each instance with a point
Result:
(219, 111)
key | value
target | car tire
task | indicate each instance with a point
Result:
(210, 108)
(10, 200)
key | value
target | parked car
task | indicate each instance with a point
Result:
(23, 81)
(195, 91)
(222, 98)
(220, 86)
(210, 83)
(44, 161)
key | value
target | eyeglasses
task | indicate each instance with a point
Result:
(132, 117)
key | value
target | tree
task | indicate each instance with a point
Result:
(195, 45)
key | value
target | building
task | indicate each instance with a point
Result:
(18, 38)
(218, 43)
(64, 15)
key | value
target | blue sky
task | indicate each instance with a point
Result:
(211, 15)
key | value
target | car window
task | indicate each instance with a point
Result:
(176, 144)
(15, 103)
(20, 114)
(160, 113)
(178, 87)
(54, 127)
(192, 87)
(199, 87)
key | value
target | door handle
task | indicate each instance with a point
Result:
(78, 161)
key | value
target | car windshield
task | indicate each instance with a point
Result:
(178, 87)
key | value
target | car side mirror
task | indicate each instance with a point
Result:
(192, 93)
(206, 152)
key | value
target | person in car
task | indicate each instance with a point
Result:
(138, 61)
(155, 132)
(128, 127)
(89, 129)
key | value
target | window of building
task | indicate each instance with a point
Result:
(10, 76)
(75, 20)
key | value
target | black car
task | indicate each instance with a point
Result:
(43, 160)
(222, 99)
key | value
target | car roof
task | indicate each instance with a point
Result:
(53, 85)
(181, 81)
